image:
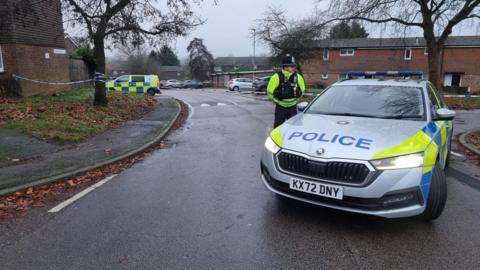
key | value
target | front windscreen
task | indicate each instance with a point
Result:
(379, 101)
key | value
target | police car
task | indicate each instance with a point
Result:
(149, 84)
(370, 146)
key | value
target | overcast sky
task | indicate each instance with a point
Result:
(226, 31)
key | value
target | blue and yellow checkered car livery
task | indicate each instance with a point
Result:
(134, 83)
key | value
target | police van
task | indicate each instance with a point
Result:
(149, 84)
(370, 146)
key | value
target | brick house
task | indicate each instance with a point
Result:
(32, 46)
(229, 64)
(332, 59)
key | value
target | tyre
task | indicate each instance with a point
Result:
(437, 196)
(236, 88)
(151, 92)
(263, 89)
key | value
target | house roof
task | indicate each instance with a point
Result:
(453, 41)
(242, 61)
(171, 68)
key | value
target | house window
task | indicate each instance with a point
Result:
(408, 54)
(425, 52)
(452, 79)
(2, 69)
(347, 52)
(326, 54)
(324, 76)
(342, 76)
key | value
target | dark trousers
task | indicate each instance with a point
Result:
(282, 114)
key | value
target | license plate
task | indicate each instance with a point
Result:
(320, 189)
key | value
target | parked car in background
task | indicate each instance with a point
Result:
(192, 84)
(149, 84)
(173, 84)
(207, 84)
(163, 83)
(240, 84)
(260, 85)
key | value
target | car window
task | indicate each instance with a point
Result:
(138, 79)
(435, 97)
(122, 79)
(382, 101)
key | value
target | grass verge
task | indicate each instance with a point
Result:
(70, 116)
(463, 103)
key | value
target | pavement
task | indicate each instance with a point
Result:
(26, 161)
(200, 203)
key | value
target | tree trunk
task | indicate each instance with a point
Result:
(434, 66)
(100, 90)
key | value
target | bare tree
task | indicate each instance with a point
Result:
(283, 35)
(436, 18)
(131, 22)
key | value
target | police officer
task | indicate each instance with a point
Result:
(284, 89)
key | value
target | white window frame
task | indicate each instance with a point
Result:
(405, 54)
(342, 76)
(324, 76)
(425, 51)
(348, 52)
(327, 51)
(2, 67)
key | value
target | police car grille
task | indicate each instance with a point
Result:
(336, 171)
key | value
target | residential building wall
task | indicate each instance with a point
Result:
(33, 47)
(462, 60)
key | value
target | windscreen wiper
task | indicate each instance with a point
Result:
(355, 115)
(404, 116)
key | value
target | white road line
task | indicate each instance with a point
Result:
(80, 195)
(205, 105)
(457, 154)
(221, 104)
(190, 108)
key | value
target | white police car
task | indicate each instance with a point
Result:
(370, 146)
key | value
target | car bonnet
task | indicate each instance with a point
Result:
(328, 136)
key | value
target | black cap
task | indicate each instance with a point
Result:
(288, 61)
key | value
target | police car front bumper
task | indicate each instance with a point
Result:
(391, 194)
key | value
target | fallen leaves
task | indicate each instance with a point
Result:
(463, 103)
(474, 139)
(18, 203)
(74, 118)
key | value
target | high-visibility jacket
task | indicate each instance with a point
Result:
(274, 83)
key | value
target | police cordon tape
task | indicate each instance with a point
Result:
(17, 77)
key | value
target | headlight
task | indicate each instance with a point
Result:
(400, 162)
(271, 146)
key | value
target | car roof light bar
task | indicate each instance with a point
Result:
(406, 73)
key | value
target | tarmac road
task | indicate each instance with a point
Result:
(200, 204)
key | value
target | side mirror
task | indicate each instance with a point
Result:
(302, 105)
(445, 114)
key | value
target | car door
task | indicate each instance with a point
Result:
(121, 83)
(248, 84)
(444, 136)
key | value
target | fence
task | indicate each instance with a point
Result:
(79, 71)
